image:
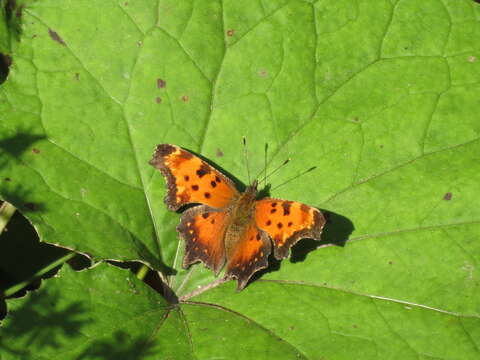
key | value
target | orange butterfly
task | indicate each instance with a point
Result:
(230, 227)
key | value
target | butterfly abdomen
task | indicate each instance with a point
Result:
(241, 214)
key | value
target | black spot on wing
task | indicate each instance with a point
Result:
(286, 208)
(203, 170)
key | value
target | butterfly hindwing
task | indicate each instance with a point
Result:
(190, 179)
(287, 222)
(248, 255)
(203, 229)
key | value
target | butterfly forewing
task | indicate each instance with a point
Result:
(191, 180)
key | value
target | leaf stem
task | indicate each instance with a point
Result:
(202, 289)
(142, 272)
(6, 212)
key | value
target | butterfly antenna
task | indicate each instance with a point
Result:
(275, 170)
(265, 167)
(245, 153)
(295, 177)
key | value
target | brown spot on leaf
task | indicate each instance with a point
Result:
(219, 153)
(472, 59)
(185, 98)
(161, 83)
(77, 76)
(447, 196)
(35, 151)
(230, 32)
(263, 73)
(18, 13)
(55, 37)
(158, 99)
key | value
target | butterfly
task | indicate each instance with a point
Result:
(230, 227)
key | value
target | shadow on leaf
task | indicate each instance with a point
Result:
(11, 149)
(121, 346)
(5, 63)
(22, 255)
(40, 323)
(336, 232)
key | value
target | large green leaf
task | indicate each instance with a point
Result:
(104, 313)
(380, 96)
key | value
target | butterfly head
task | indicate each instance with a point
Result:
(251, 190)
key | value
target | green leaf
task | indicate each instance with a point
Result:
(4, 38)
(100, 313)
(381, 97)
(105, 313)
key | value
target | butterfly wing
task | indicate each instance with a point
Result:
(203, 229)
(287, 222)
(190, 179)
(248, 254)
